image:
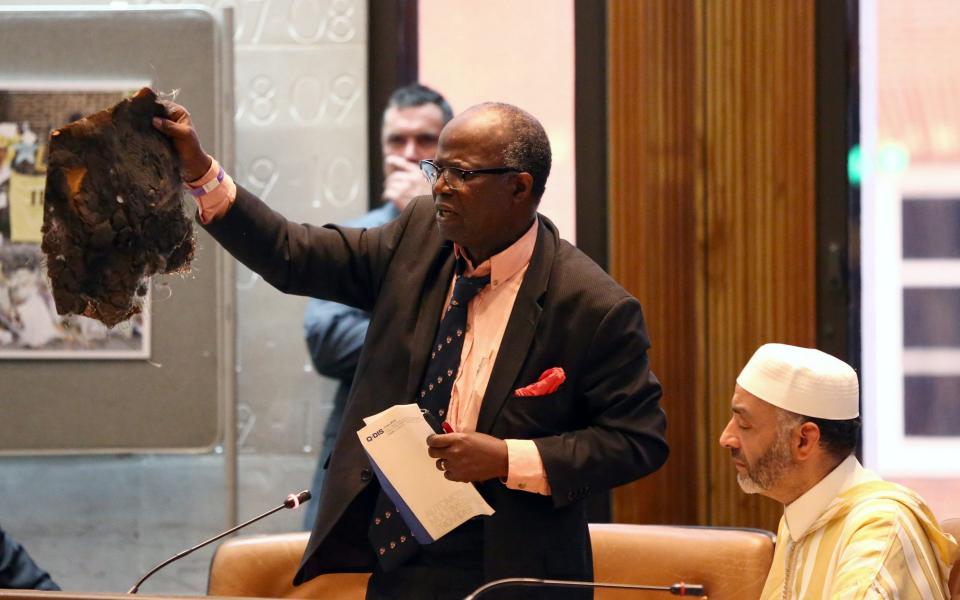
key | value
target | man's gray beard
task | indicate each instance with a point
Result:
(769, 468)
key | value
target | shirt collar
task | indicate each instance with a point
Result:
(802, 512)
(504, 265)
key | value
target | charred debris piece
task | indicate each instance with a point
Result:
(113, 213)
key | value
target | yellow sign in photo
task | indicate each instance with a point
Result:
(26, 207)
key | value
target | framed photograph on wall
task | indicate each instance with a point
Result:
(30, 327)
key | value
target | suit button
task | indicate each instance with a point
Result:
(365, 475)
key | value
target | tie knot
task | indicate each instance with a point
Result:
(466, 288)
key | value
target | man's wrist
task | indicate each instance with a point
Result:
(214, 192)
(525, 468)
(209, 186)
(194, 170)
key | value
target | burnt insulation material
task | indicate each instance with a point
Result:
(113, 211)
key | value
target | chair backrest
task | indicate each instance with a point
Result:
(263, 566)
(952, 526)
(731, 563)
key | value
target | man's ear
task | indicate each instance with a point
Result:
(523, 186)
(807, 440)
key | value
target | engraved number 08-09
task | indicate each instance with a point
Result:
(310, 100)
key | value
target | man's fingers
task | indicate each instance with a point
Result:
(172, 129)
(174, 110)
(401, 179)
(163, 125)
(402, 163)
(398, 164)
(440, 440)
(391, 165)
(177, 114)
(392, 179)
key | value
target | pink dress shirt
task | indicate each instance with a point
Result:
(487, 319)
(486, 323)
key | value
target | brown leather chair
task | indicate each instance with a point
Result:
(730, 563)
(952, 526)
(263, 566)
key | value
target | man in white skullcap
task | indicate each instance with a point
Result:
(845, 533)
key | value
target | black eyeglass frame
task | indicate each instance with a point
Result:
(463, 174)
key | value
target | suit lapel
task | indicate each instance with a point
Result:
(521, 326)
(428, 319)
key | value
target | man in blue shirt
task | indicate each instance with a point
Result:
(334, 333)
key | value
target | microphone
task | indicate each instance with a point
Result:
(292, 502)
(677, 589)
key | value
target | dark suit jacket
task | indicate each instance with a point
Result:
(17, 569)
(602, 428)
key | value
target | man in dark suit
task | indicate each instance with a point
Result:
(542, 305)
(334, 333)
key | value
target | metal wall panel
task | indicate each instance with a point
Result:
(108, 405)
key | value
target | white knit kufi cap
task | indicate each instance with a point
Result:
(802, 380)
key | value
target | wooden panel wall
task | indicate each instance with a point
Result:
(760, 204)
(712, 219)
(652, 225)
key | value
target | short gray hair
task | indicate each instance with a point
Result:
(529, 147)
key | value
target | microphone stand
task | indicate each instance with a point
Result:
(292, 501)
(677, 589)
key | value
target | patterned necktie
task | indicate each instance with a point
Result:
(389, 535)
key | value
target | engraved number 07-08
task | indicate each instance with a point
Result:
(308, 24)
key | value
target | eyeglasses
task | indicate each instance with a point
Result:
(455, 176)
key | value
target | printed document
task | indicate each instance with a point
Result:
(431, 505)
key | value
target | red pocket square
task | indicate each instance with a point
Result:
(547, 384)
